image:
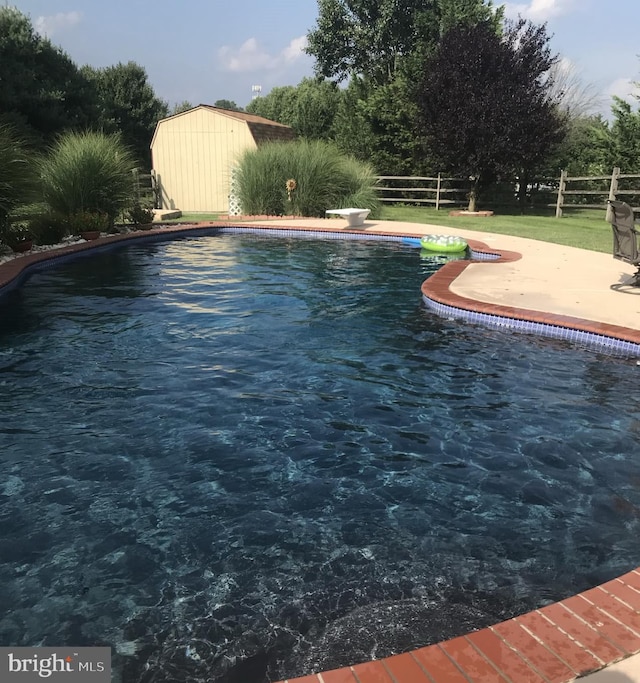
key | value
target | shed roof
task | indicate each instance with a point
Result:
(262, 130)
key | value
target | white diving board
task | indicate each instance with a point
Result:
(355, 217)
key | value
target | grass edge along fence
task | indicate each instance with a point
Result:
(446, 191)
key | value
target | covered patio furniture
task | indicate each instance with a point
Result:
(625, 236)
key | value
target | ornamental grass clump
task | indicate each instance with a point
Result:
(88, 173)
(18, 173)
(303, 178)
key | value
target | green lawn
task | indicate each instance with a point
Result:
(193, 218)
(583, 228)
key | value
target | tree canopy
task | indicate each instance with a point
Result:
(586, 150)
(378, 124)
(484, 101)
(625, 136)
(127, 104)
(42, 92)
(179, 107)
(370, 37)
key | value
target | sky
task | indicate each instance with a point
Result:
(206, 50)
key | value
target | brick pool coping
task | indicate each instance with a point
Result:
(553, 644)
(439, 297)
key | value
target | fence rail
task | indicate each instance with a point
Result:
(412, 189)
(611, 187)
(145, 188)
(440, 190)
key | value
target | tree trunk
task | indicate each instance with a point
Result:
(523, 184)
(473, 194)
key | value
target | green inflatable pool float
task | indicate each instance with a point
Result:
(444, 244)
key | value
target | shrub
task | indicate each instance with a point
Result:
(49, 228)
(17, 173)
(88, 173)
(88, 221)
(140, 214)
(15, 234)
(324, 179)
(262, 180)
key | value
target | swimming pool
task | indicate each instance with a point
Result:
(243, 455)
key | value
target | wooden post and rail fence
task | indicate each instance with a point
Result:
(438, 190)
(145, 188)
(618, 188)
(571, 192)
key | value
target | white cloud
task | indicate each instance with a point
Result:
(624, 88)
(539, 11)
(251, 57)
(295, 49)
(48, 26)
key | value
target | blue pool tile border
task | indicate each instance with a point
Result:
(312, 234)
(344, 235)
(606, 344)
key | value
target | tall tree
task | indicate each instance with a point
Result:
(128, 105)
(485, 104)
(371, 37)
(278, 105)
(587, 149)
(576, 98)
(317, 102)
(42, 91)
(179, 107)
(381, 49)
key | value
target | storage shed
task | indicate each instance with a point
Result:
(193, 155)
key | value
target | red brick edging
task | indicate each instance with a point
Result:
(554, 644)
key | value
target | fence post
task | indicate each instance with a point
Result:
(136, 184)
(561, 188)
(155, 188)
(438, 193)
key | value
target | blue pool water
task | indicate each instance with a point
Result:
(239, 459)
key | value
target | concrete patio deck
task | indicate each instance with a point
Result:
(596, 631)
